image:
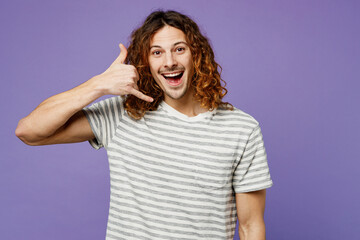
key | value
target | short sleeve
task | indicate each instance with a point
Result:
(103, 117)
(252, 170)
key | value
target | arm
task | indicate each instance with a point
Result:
(250, 209)
(59, 119)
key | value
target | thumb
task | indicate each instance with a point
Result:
(123, 53)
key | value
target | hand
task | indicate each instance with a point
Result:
(120, 79)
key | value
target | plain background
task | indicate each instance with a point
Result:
(293, 65)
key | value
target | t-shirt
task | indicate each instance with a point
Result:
(174, 176)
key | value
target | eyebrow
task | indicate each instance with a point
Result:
(177, 43)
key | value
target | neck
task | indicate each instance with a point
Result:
(186, 105)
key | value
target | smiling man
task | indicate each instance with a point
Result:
(183, 163)
(171, 64)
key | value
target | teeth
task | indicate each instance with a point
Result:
(171, 74)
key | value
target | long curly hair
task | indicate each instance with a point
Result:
(206, 80)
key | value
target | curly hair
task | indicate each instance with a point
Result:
(206, 79)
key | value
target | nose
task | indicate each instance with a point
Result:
(170, 60)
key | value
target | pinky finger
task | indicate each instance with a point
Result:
(140, 95)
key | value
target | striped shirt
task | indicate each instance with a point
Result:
(174, 176)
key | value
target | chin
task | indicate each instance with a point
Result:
(176, 96)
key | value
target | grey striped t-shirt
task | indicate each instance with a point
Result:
(174, 176)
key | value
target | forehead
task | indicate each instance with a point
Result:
(167, 36)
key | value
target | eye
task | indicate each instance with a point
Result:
(156, 53)
(180, 49)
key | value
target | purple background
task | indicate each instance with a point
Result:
(293, 65)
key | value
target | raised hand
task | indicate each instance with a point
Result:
(121, 79)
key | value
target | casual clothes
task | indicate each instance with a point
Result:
(174, 176)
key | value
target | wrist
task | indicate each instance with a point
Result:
(96, 86)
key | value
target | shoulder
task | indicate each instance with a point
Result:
(111, 102)
(236, 115)
(112, 106)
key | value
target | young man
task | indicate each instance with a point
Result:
(183, 164)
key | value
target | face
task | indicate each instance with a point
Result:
(171, 63)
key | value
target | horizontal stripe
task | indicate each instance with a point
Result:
(190, 158)
(200, 140)
(169, 177)
(174, 214)
(132, 212)
(171, 189)
(197, 128)
(152, 142)
(160, 232)
(148, 192)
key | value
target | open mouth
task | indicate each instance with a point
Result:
(173, 78)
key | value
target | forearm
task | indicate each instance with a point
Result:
(254, 231)
(51, 121)
(55, 111)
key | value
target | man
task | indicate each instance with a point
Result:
(183, 164)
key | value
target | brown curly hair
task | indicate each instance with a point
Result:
(206, 80)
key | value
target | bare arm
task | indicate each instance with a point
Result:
(250, 209)
(59, 119)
